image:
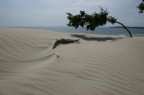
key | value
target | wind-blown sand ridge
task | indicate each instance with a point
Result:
(98, 65)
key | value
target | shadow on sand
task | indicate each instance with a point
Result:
(64, 41)
(99, 39)
(84, 37)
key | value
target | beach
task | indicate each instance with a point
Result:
(96, 65)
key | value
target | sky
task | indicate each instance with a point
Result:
(24, 13)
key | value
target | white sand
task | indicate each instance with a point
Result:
(98, 65)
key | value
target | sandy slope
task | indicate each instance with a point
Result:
(98, 65)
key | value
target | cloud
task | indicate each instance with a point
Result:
(86, 3)
(53, 12)
(93, 5)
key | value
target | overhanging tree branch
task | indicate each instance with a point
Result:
(125, 28)
(92, 21)
(141, 7)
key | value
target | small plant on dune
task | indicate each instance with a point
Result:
(92, 21)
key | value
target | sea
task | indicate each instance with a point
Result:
(119, 31)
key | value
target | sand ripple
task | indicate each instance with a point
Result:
(28, 65)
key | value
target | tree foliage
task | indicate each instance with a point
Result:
(92, 21)
(141, 7)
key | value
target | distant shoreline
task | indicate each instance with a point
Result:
(115, 30)
(128, 27)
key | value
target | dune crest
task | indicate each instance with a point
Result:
(98, 65)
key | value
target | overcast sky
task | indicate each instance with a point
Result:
(53, 12)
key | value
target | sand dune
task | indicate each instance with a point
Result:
(98, 65)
